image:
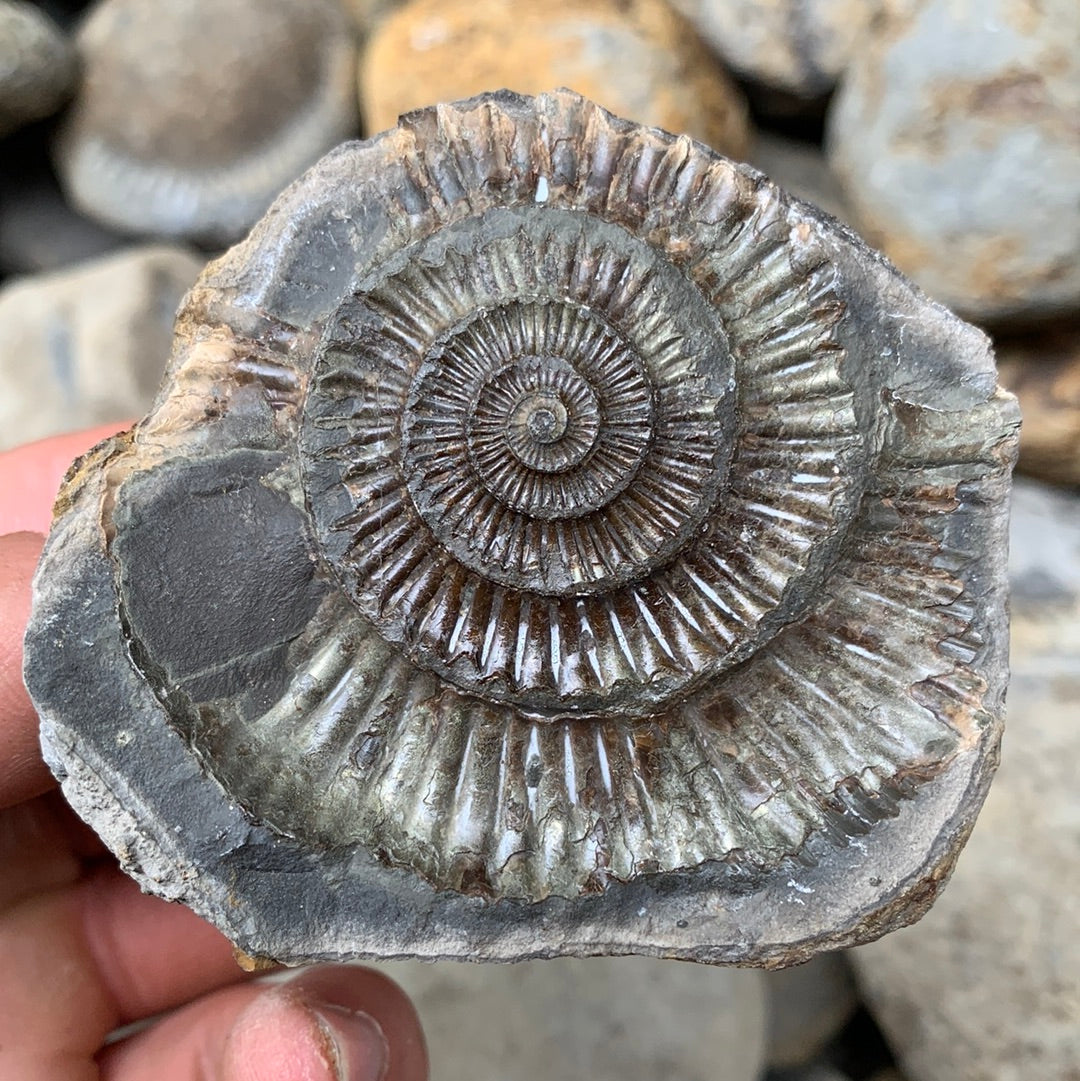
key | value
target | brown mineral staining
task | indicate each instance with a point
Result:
(1043, 371)
(635, 57)
(254, 964)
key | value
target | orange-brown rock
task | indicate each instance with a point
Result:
(1044, 373)
(637, 58)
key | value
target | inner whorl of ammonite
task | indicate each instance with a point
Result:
(526, 465)
(509, 430)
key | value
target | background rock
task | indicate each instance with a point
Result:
(366, 14)
(799, 46)
(818, 1071)
(37, 65)
(604, 1018)
(39, 229)
(987, 986)
(635, 57)
(194, 114)
(800, 168)
(1043, 371)
(955, 137)
(88, 345)
(808, 1005)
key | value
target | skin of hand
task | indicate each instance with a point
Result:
(83, 952)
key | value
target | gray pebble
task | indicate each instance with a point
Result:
(37, 65)
(808, 1005)
(87, 345)
(194, 114)
(956, 139)
(40, 230)
(797, 46)
(605, 1019)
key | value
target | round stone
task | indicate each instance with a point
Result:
(800, 47)
(191, 116)
(641, 60)
(38, 66)
(954, 137)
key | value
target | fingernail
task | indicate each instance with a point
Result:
(359, 1046)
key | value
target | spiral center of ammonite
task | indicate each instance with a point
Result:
(550, 435)
(545, 417)
(548, 414)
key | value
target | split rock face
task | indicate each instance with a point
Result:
(549, 538)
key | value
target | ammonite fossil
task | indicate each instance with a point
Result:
(550, 538)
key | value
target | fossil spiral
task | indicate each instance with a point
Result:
(549, 536)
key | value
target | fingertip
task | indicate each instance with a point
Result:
(22, 773)
(357, 1044)
(374, 1024)
(278, 1035)
(326, 1023)
(30, 476)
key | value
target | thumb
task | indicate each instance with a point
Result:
(328, 1023)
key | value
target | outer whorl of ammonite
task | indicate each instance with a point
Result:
(550, 538)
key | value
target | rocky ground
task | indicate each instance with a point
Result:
(945, 133)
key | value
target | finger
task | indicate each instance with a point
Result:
(328, 1023)
(22, 772)
(43, 846)
(30, 476)
(90, 958)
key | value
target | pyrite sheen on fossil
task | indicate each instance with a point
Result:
(550, 538)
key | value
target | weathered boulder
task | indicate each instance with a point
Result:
(638, 59)
(798, 46)
(193, 115)
(1043, 371)
(38, 66)
(88, 345)
(606, 1019)
(955, 137)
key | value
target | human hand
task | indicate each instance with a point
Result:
(84, 952)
